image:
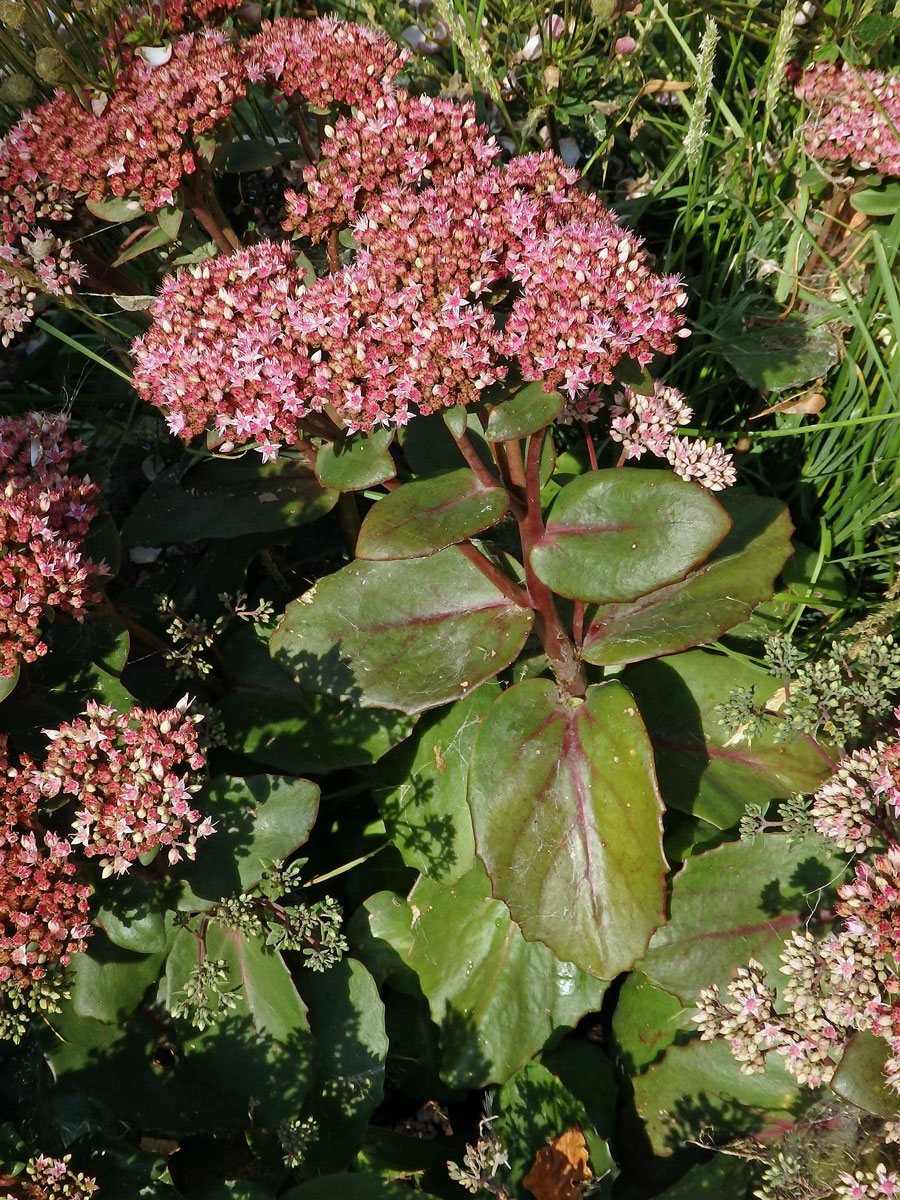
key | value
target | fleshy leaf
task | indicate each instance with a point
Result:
(346, 1016)
(738, 901)
(715, 597)
(568, 822)
(355, 461)
(699, 1088)
(701, 769)
(258, 819)
(8, 682)
(645, 1023)
(107, 982)
(424, 808)
(859, 1077)
(220, 499)
(495, 997)
(530, 409)
(279, 725)
(263, 1048)
(407, 635)
(615, 535)
(427, 515)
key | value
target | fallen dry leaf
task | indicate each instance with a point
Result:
(560, 1169)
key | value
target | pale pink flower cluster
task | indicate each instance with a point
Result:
(35, 262)
(648, 423)
(132, 774)
(325, 62)
(855, 116)
(43, 910)
(851, 807)
(44, 515)
(868, 1185)
(845, 982)
(51, 1179)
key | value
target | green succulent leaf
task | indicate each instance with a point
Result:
(698, 1088)
(405, 635)
(8, 682)
(262, 1049)
(706, 603)
(568, 822)
(427, 515)
(219, 499)
(527, 412)
(424, 807)
(495, 997)
(354, 461)
(701, 769)
(860, 1077)
(615, 535)
(107, 982)
(259, 819)
(346, 1016)
(739, 901)
(281, 726)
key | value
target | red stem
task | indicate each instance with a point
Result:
(484, 474)
(557, 645)
(592, 453)
(334, 256)
(578, 623)
(509, 589)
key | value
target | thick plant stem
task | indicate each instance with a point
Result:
(509, 589)
(299, 118)
(556, 642)
(484, 473)
(209, 214)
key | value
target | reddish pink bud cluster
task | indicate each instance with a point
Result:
(131, 774)
(138, 140)
(51, 1179)
(44, 515)
(856, 116)
(43, 912)
(326, 62)
(850, 808)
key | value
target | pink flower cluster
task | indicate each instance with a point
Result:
(138, 140)
(444, 236)
(868, 1185)
(247, 377)
(43, 911)
(40, 262)
(51, 1179)
(44, 515)
(325, 62)
(131, 772)
(842, 983)
(856, 116)
(397, 140)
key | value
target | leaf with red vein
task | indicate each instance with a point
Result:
(567, 820)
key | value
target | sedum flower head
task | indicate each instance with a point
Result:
(52, 1179)
(247, 378)
(43, 910)
(132, 775)
(324, 62)
(141, 140)
(850, 808)
(444, 236)
(44, 515)
(855, 116)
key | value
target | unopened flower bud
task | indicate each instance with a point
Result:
(50, 64)
(12, 14)
(16, 89)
